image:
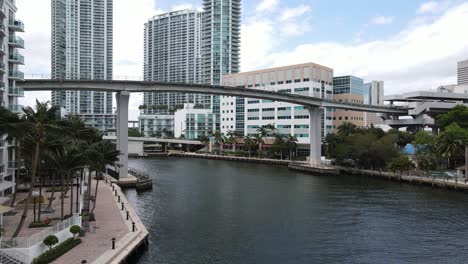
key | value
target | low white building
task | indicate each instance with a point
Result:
(192, 122)
(156, 125)
(245, 116)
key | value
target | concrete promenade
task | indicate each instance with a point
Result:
(111, 223)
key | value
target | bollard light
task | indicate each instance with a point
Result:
(115, 192)
(122, 206)
(128, 215)
(133, 226)
(118, 199)
(113, 243)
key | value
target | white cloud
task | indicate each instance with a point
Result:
(419, 57)
(267, 5)
(382, 20)
(258, 41)
(289, 13)
(428, 7)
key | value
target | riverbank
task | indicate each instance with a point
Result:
(111, 223)
(231, 158)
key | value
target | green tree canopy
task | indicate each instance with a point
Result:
(401, 163)
(458, 114)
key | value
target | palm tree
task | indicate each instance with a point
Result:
(43, 120)
(220, 140)
(262, 131)
(347, 129)
(451, 143)
(291, 143)
(249, 143)
(102, 154)
(279, 143)
(270, 130)
(205, 140)
(232, 136)
(258, 139)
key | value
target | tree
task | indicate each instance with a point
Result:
(401, 163)
(220, 140)
(346, 129)
(249, 143)
(458, 114)
(451, 143)
(75, 230)
(205, 140)
(258, 139)
(279, 144)
(402, 138)
(231, 139)
(291, 144)
(50, 241)
(134, 132)
(43, 120)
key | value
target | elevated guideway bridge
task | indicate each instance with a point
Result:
(123, 89)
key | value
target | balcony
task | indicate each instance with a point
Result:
(2, 49)
(2, 143)
(16, 42)
(16, 58)
(3, 11)
(2, 30)
(16, 25)
(2, 67)
(16, 75)
(2, 168)
(15, 164)
(16, 108)
(2, 86)
(18, 92)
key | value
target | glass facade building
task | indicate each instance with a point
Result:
(348, 85)
(82, 48)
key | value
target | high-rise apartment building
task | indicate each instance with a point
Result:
(462, 72)
(247, 115)
(10, 58)
(349, 89)
(190, 46)
(373, 95)
(82, 48)
(221, 44)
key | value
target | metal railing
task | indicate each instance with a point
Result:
(12, 255)
(27, 242)
(16, 40)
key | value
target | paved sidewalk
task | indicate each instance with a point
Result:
(109, 224)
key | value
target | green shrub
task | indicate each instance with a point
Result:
(57, 251)
(38, 224)
(75, 230)
(57, 189)
(50, 241)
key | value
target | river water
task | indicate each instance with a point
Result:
(204, 211)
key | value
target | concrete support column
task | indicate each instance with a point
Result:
(315, 128)
(122, 99)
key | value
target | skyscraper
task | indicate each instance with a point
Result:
(462, 72)
(189, 46)
(10, 59)
(82, 48)
(373, 95)
(221, 44)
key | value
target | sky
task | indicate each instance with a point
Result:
(409, 44)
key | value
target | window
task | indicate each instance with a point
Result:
(304, 89)
(268, 117)
(301, 117)
(284, 108)
(253, 126)
(284, 91)
(283, 126)
(284, 117)
(253, 110)
(301, 126)
(299, 108)
(280, 77)
(267, 101)
(302, 135)
(268, 109)
(253, 102)
(253, 118)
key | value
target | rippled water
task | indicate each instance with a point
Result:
(203, 211)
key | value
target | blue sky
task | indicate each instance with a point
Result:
(409, 44)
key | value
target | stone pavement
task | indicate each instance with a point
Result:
(110, 224)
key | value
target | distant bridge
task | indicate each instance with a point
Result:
(124, 88)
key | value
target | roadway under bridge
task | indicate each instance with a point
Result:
(124, 88)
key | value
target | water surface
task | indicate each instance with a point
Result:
(204, 211)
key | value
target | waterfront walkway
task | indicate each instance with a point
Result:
(110, 224)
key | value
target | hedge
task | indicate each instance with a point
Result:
(56, 252)
(38, 224)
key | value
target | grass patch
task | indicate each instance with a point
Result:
(56, 252)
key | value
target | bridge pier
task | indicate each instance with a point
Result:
(315, 134)
(122, 99)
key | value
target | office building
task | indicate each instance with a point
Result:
(373, 95)
(156, 125)
(247, 115)
(82, 48)
(349, 89)
(193, 123)
(462, 72)
(11, 59)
